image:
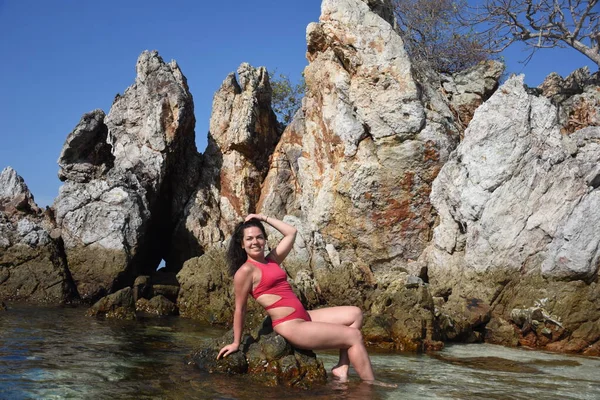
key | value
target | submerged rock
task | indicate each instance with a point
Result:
(266, 357)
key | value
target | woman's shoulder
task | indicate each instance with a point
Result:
(244, 271)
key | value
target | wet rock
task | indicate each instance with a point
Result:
(266, 357)
(502, 332)
(490, 364)
(118, 305)
(32, 264)
(158, 305)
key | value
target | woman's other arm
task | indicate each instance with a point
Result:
(242, 283)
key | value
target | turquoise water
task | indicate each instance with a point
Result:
(58, 353)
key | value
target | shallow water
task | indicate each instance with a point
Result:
(56, 353)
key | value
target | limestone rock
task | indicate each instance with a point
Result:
(86, 155)
(558, 89)
(126, 176)
(266, 357)
(519, 210)
(118, 305)
(32, 265)
(14, 194)
(467, 90)
(516, 188)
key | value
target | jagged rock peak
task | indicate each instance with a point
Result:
(241, 115)
(11, 184)
(558, 89)
(150, 65)
(14, 192)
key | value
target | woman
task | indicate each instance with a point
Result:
(261, 277)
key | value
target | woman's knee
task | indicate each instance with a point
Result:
(355, 336)
(357, 316)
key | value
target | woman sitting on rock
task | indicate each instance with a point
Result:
(262, 277)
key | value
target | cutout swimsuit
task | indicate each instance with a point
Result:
(274, 281)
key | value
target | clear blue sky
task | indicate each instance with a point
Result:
(63, 58)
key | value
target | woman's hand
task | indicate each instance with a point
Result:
(230, 348)
(259, 217)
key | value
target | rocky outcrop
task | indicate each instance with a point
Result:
(127, 176)
(264, 356)
(32, 265)
(467, 90)
(518, 204)
(353, 171)
(243, 133)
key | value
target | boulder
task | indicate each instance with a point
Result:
(266, 357)
(206, 291)
(158, 305)
(119, 305)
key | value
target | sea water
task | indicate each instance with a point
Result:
(59, 353)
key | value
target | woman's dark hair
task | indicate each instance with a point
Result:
(236, 255)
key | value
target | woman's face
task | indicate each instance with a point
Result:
(253, 241)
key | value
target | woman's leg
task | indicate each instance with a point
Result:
(345, 315)
(322, 335)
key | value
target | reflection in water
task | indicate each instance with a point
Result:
(55, 353)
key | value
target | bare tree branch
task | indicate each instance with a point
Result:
(539, 24)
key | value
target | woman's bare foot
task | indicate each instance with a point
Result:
(340, 372)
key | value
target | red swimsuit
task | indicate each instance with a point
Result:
(274, 281)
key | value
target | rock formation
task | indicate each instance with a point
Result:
(354, 169)
(243, 133)
(438, 232)
(32, 266)
(519, 219)
(127, 176)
